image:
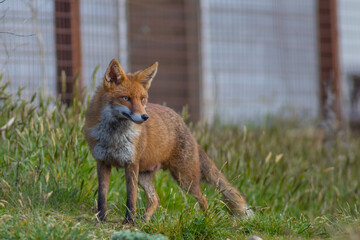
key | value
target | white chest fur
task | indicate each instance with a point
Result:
(115, 139)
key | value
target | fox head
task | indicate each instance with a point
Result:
(127, 94)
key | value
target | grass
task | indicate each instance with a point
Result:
(299, 187)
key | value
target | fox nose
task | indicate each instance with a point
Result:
(145, 117)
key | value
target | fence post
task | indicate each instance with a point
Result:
(329, 67)
(192, 26)
(68, 48)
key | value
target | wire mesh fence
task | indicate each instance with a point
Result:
(349, 32)
(27, 53)
(236, 60)
(261, 57)
(104, 36)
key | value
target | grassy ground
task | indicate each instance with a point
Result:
(299, 187)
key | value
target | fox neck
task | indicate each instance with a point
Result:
(116, 138)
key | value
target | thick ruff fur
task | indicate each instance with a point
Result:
(115, 139)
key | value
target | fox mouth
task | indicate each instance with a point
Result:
(130, 118)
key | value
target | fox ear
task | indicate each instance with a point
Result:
(114, 74)
(147, 75)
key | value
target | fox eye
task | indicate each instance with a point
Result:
(143, 100)
(126, 98)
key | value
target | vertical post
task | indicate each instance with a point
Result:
(329, 67)
(193, 53)
(167, 31)
(68, 47)
(122, 33)
(207, 83)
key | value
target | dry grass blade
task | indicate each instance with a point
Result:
(8, 124)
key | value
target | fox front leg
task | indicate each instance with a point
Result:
(146, 182)
(131, 175)
(103, 172)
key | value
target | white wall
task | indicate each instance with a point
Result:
(260, 58)
(349, 36)
(20, 57)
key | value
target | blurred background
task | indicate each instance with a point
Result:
(235, 60)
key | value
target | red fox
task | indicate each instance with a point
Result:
(124, 130)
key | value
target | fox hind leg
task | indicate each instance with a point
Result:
(199, 196)
(189, 180)
(146, 182)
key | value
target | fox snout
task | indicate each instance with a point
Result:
(137, 118)
(124, 112)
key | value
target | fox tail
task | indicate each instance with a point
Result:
(235, 202)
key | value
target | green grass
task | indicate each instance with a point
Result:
(299, 187)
